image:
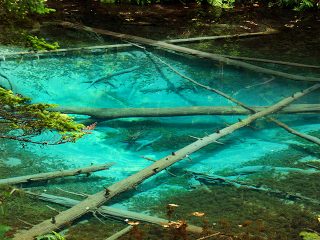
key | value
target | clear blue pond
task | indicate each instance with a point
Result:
(63, 80)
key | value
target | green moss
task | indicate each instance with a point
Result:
(36, 43)
(309, 236)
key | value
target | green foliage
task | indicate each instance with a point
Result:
(298, 5)
(40, 43)
(309, 236)
(25, 120)
(3, 230)
(21, 8)
(221, 3)
(53, 236)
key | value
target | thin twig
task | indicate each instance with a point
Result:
(52, 208)
(25, 222)
(74, 193)
(209, 236)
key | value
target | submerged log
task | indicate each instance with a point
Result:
(262, 168)
(112, 113)
(272, 119)
(111, 211)
(98, 199)
(128, 45)
(185, 50)
(294, 64)
(107, 77)
(5, 56)
(57, 174)
(119, 234)
(216, 179)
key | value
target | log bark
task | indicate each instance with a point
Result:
(57, 174)
(111, 212)
(98, 199)
(112, 113)
(197, 53)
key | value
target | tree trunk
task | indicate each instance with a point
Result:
(112, 212)
(112, 113)
(56, 174)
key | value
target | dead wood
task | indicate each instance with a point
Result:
(5, 56)
(112, 113)
(57, 174)
(123, 46)
(216, 179)
(197, 53)
(108, 76)
(98, 199)
(111, 212)
(294, 64)
(230, 36)
(272, 119)
(119, 234)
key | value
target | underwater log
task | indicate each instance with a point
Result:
(120, 233)
(98, 199)
(272, 61)
(111, 211)
(105, 78)
(112, 113)
(57, 174)
(14, 55)
(272, 119)
(216, 179)
(189, 51)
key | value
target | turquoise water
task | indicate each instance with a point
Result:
(64, 80)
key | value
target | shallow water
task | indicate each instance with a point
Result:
(64, 80)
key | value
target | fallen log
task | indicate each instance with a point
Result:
(128, 45)
(272, 119)
(294, 64)
(197, 53)
(111, 212)
(216, 179)
(119, 234)
(262, 168)
(98, 199)
(112, 113)
(105, 48)
(105, 78)
(229, 36)
(57, 174)
(5, 56)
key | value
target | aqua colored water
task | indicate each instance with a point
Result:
(64, 80)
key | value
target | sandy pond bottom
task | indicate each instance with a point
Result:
(64, 80)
